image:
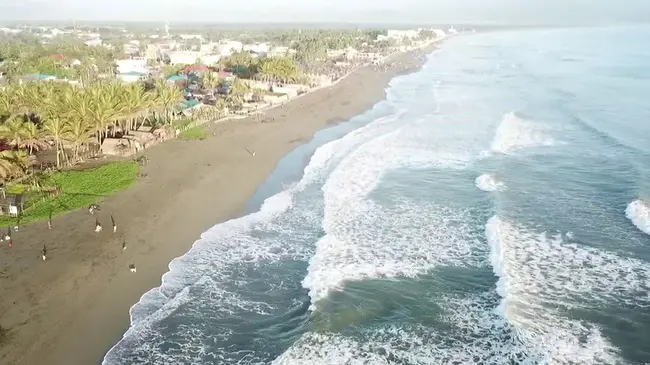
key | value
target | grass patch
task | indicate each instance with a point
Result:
(17, 188)
(197, 132)
(180, 123)
(78, 190)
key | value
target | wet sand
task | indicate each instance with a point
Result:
(72, 308)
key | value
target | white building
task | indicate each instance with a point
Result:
(398, 34)
(184, 57)
(94, 42)
(132, 76)
(226, 48)
(132, 65)
(210, 60)
(11, 30)
(257, 48)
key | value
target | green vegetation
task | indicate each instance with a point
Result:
(180, 123)
(48, 126)
(73, 121)
(197, 132)
(65, 191)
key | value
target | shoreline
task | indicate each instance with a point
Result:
(74, 307)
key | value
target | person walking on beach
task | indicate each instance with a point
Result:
(123, 245)
(44, 252)
(98, 226)
(114, 225)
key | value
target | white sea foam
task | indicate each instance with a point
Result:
(541, 278)
(515, 133)
(638, 212)
(489, 183)
(205, 267)
(365, 240)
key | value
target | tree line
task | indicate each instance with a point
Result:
(35, 116)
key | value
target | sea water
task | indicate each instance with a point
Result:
(494, 209)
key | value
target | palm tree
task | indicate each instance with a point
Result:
(210, 80)
(167, 97)
(136, 102)
(13, 132)
(33, 138)
(79, 135)
(7, 168)
(59, 131)
(22, 160)
(103, 107)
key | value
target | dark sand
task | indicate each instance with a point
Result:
(72, 308)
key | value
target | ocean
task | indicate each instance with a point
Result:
(494, 209)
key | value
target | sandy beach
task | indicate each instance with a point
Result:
(72, 308)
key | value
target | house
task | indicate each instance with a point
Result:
(196, 68)
(259, 48)
(94, 42)
(210, 59)
(132, 76)
(175, 78)
(226, 48)
(132, 65)
(183, 57)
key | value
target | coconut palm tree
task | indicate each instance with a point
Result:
(210, 80)
(58, 130)
(33, 138)
(7, 168)
(104, 107)
(22, 160)
(136, 102)
(167, 97)
(12, 131)
(79, 135)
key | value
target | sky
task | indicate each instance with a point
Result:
(340, 11)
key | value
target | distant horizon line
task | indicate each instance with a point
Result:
(313, 24)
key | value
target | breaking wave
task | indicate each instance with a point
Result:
(489, 183)
(638, 212)
(515, 133)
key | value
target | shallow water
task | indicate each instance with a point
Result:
(492, 210)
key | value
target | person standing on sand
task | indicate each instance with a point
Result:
(44, 252)
(98, 226)
(114, 225)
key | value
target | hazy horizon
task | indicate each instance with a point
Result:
(533, 12)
